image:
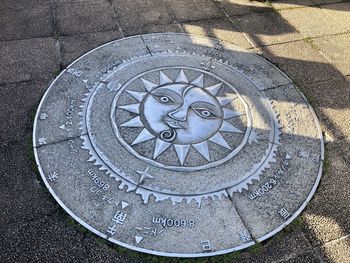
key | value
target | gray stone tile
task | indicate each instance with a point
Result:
(241, 7)
(336, 251)
(337, 50)
(76, 45)
(332, 109)
(25, 19)
(340, 12)
(189, 10)
(153, 29)
(22, 197)
(48, 239)
(18, 107)
(74, 18)
(301, 62)
(312, 22)
(327, 215)
(218, 28)
(140, 13)
(261, 28)
(28, 59)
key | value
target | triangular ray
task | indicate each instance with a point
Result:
(160, 147)
(181, 151)
(137, 95)
(198, 81)
(164, 79)
(124, 204)
(225, 100)
(218, 139)
(138, 239)
(203, 149)
(143, 136)
(228, 127)
(214, 89)
(148, 85)
(181, 78)
(135, 108)
(134, 122)
(231, 113)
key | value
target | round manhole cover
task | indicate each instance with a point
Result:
(178, 145)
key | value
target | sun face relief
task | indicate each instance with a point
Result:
(180, 114)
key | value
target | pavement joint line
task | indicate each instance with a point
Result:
(60, 141)
(115, 18)
(232, 22)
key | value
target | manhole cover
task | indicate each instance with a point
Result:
(178, 145)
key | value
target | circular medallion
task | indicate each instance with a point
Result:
(152, 140)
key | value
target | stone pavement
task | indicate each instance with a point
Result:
(309, 40)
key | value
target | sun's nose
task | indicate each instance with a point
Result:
(179, 114)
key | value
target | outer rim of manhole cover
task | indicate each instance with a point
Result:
(106, 164)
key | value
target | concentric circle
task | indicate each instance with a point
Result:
(155, 139)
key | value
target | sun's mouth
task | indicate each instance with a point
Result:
(173, 124)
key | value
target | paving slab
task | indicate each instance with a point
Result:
(323, 2)
(82, 17)
(340, 12)
(17, 113)
(75, 46)
(242, 7)
(23, 242)
(333, 109)
(138, 14)
(337, 50)
(21, 62)
(22, 197)
(290, 4)
(336, 251)
(191, 10)
(312, 22)
(326, 217)
(218, 28)
(260, 28)
(29, 19)
(301, 61)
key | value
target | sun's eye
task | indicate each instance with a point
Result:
(164, 99)
(205, 113)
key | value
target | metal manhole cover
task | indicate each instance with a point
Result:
(178, 145)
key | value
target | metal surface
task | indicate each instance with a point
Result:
(178, 145)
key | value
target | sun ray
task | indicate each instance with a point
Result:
(228, 114)
(228, 127)
(203, 149)
(137, 95)
(134, 122)
(164, 79)
(182, 151)
(149, 85)
(214, 89)
(181, 78)
(225, 100)
(199, 82)
(134, 108)
(218, 139)
(160, 147)
(143, 136)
